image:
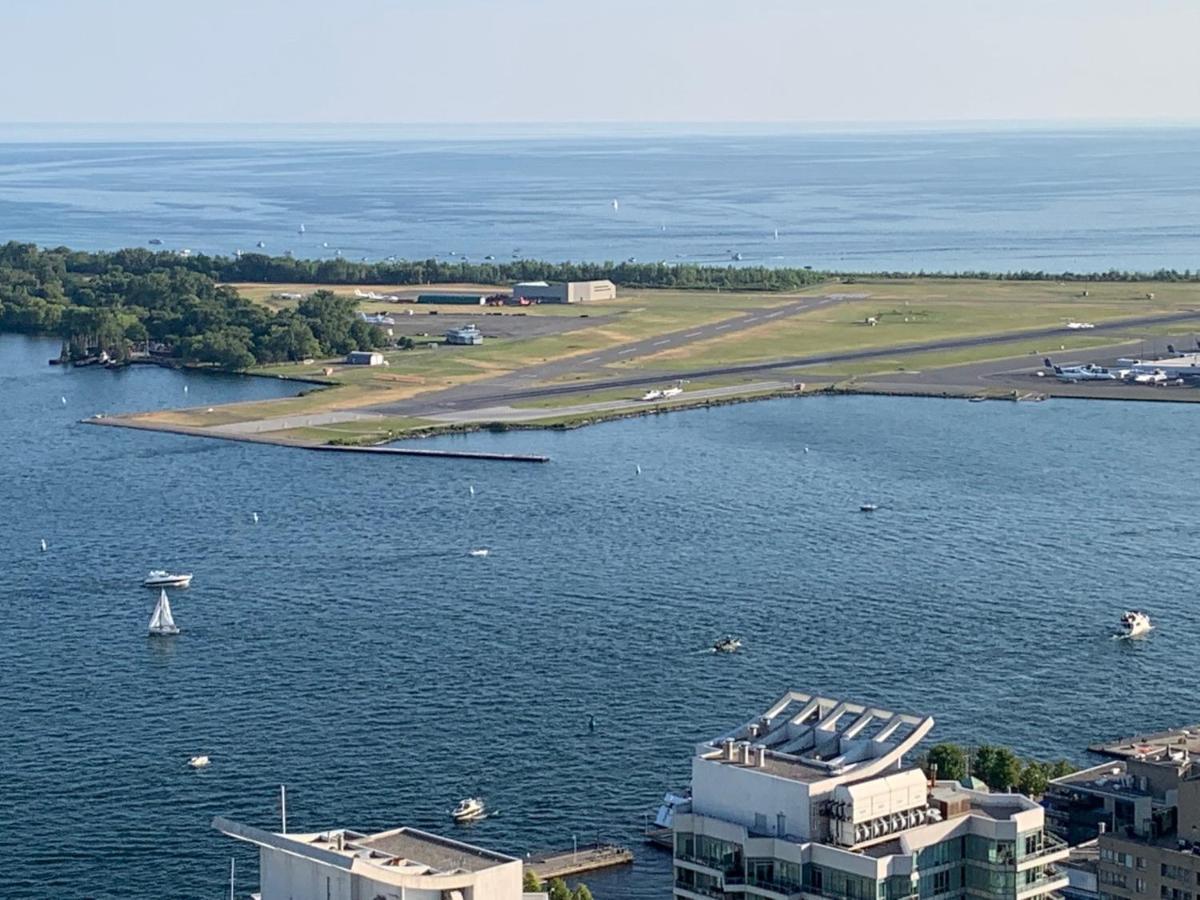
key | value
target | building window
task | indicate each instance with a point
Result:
(941, 881)
(1140, 886)
(1141, 862)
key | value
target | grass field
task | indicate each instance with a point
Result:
(910, 312)
(906, 311)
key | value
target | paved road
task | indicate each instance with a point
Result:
(520, 384)
(509, 389)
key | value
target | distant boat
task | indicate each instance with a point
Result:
(727, 645)
(1134, 624)
(471, 809)
(977, 399)
(471, 488)
(162, 623)
(261, 244)
(199, 762)
(44, 548)
(482, 551)
(489, 257)
(616, 206)
(64, 401)
(868, 507)
(301, 230)
(161, 578)
(776, 234)
(254, 515)
(637, 469)
(737, 257)
(155, 241)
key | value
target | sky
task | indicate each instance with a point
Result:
(635, 61)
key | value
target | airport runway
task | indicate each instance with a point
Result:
(518, 386)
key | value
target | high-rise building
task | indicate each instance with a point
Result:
(813, 799)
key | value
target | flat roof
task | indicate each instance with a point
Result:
(439, 853)
(407, 851)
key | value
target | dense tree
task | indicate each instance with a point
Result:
(558, 890)
(950, 759)
(998, 767)
(1059, 769)
(582, 892)
(530, 883)
(1033, 779)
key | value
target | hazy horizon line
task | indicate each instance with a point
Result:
(17, 131)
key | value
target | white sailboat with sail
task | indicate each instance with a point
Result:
(162, 622)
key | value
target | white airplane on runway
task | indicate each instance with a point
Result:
(1075, 326)
(1158, 376)
(1072, 374)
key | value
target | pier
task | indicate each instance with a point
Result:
(1183, 738)
(443, 454)
(585, 858)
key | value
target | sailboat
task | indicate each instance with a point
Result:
(162, 622)
(301, 228)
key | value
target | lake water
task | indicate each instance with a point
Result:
(1042, 200)
(349, 646)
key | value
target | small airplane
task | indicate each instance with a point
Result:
(1076, 326)
(1158, 376)
(1073, 374)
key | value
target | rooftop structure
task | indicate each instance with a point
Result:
(453, 299)
(814, 797)
(406, 863)
(364, 358)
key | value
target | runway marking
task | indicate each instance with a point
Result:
(692, 334)
(623, 352)
(660, 343)
(593, 359)
(726, 325)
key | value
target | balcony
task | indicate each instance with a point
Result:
(695, 890)
(1052, 850)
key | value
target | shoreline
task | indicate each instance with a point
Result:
(848, 387)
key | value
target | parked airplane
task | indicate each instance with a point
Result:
(1090, 372)
(1075, 326)
(1158, 376)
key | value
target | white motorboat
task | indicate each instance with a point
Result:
(198, 762)
(162, 622)
(727, 645)
(469, 810)
(868, 507)
(482, 551)
(161, 578)
(1133, 624)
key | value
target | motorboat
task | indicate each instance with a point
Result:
(161, 578)
(156, 242)
(469, 810)
(482, 551)
(868, 507)
(162, 623)
(198, 762)
(727, 645)
(1133, 624)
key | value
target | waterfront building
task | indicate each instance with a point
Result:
(813, 799)
(1083, 872)
(565, 292)
(364, 358)
(467, 335)
(1145, 813)
(401, 864)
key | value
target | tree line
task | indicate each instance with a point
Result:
(98, 304)
(997, 767)
(556, 888)
(261, 268)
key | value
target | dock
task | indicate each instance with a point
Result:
(1186, 737)
(441, 454)
(587, 858)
